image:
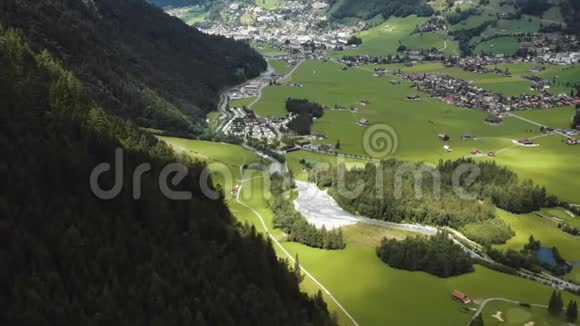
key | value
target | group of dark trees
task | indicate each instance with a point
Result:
(354, 40)
(294, 224)
(556, 306)
(569, 229)
(571, 11)
(460, 16)
(137, 62)
(400, 191)
(437, 255)
(305, 112)
(464, 36)
(501, 186)
(532, 7)
(70, 258)
(371, 8)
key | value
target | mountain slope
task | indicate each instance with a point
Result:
(138, 62)
(68, 258)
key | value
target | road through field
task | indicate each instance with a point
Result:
(277, 243)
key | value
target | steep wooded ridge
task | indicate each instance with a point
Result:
(137, 62)
(68, 258)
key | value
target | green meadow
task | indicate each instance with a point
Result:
(384, 38)
(241, 102)
(514, 314)
(507, 45)
(294, 158)
(280, 66)
(418, 123)
(427, 41)
(364, 285)
(542, 229)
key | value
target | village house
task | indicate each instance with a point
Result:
(363, 122)
(456, 295)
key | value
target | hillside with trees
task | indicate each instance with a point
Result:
(69, 258)
(137, 62)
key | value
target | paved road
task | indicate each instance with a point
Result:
(288, 255)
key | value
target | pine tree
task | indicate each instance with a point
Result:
(337, 146)
(558, 304)
(477, 321)
(297, 271)
(572, 312)
(552, 303)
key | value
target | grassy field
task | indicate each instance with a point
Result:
(514, 314)
(473, 21)
(420, 41)
(526, 24)
(542, 229)
(297, 169)
(371, 291)
(563, 215)
(281, 66)
(507, 45)
(240, 103)
(417, 123)
(213, 119)
(382, 41)
(226, 159)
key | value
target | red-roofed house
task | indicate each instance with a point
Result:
(460, 297)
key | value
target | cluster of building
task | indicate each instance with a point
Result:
(544, 43)
(437, 23)
(466, 94)
(291, 22)
(245, 124)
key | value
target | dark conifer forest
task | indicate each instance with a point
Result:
(68, 258)
(136, 61)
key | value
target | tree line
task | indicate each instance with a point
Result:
(399, 191)
(436, 255)
(69, 258)
(294, 224)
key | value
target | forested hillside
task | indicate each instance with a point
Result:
(68, 258)
(137, 62)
